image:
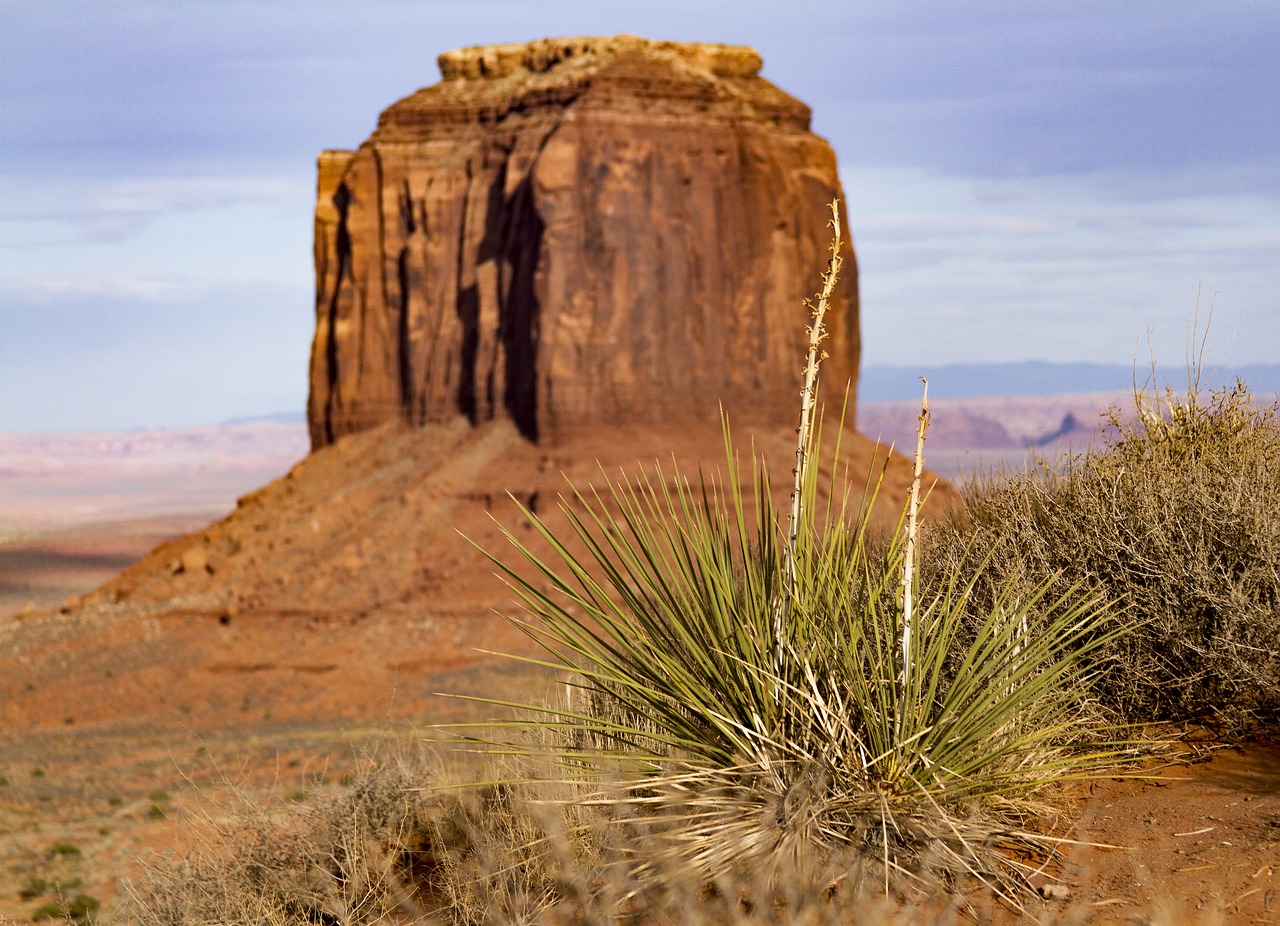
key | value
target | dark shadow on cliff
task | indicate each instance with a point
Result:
(521, 316)
(342, 201)
(508, 379)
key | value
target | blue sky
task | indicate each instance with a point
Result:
(1025, 180)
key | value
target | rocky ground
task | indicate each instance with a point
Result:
(269, 653)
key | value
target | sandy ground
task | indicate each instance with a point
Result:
(269, 653)
(41, 566)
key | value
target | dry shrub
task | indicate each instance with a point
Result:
(1174, 515)
(390, 847)
(351, 857)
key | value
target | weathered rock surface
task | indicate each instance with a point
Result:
(575, 232)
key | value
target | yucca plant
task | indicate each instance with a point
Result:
(758, 693)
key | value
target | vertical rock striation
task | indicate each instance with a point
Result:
(575, 232)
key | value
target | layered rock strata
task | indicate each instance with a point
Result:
(574, 232)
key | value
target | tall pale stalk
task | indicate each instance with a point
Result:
(909, 552)
(804, 433)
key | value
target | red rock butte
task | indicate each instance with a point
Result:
(576, 232)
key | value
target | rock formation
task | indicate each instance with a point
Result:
(574, 232)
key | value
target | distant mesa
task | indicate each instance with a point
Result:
(575, 232)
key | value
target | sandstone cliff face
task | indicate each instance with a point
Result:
(576, 232)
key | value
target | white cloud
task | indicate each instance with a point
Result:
(112, 209)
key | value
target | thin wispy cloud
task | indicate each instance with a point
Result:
(121, 287)
(112, 209)
(1054, 270)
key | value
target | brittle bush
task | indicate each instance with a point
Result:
(1172, 514)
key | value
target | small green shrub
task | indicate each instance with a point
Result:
(159, 809)
(34, 887)
(82, 907)
(64, 850)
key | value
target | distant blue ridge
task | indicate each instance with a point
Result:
(877, 383)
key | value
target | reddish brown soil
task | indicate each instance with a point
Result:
(1200, 843)
(278, 645)
(41, 569)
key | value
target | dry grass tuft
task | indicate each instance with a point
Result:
(357, 856)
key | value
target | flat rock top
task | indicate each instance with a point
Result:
(488, 82)
(482, 62)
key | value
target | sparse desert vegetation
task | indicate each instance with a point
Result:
(1174, 517)
(544, 288)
